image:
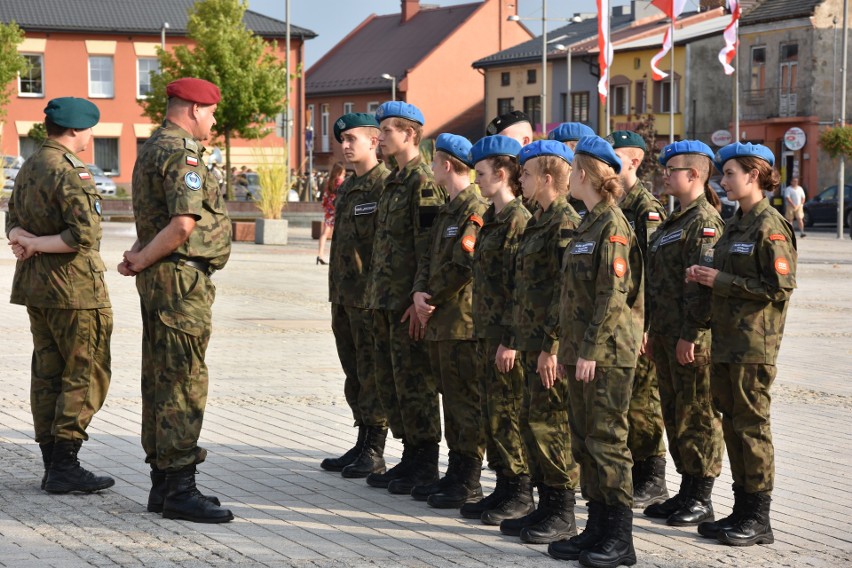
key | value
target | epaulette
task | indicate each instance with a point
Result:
(75, 161)
(190, 144)
(477, 220)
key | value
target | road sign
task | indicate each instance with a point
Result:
(795, 138)
(721, 138)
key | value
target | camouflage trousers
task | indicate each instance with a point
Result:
(404, 381)
(502, 396)
(544, 429)
(645, 416)
(452, 362)
(352, 328)
(70, 370)
(693, 427)
(598, 418)
(176, 325)
(741, 393)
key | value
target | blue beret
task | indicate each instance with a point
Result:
(738, 149)
(496, 145)
(353, 120)
(626, 139)
(400, 109)
(685, 147)
(71, 112)
(456, 146)
(546, 148)
(570, 132)
(600, 149)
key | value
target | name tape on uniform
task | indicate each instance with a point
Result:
(671, 237)
(742, 248)
(366, 208)
(583, 248)
(452, 231)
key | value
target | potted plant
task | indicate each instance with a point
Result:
(271, 229)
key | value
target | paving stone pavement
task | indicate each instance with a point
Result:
(276, 408)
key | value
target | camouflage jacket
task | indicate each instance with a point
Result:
(681, 309)
(535, 309)
(756, 257)
(407, 209)
(602, 302)
(55, 194)
(445, 271)
(354, 228)
(644, 213)
(170, 179)
(494, 270)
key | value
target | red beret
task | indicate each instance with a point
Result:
(194, 90)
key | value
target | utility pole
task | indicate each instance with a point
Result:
(841, 174)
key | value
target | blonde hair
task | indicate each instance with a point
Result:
(404, 124)
(602, 177)
(456, 165)
(558, 170)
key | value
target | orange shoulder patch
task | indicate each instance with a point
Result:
(468, 243)
(478, 220)
(618, 239)
(782, 267)
(619, 266)
(777, 237)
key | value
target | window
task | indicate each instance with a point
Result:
(145, 66)
(505, 79)
(106, 154)
(662, 95)
(28, 146)
(530, 76)
(372, 107)
(101, 84)
(31, 81)
(348, 107)
(324, 126)
(639, 98)
(789, 65)
(532, 108)
(580, 107)
(758, 70)
(620, 99)
(505, 105)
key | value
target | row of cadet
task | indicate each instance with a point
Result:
(566, 323)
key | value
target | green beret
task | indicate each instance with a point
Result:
(626, 139)
(353, 120)
(71, 112)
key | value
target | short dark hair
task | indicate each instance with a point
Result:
(54, 129)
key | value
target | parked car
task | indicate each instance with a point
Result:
(10, 166)
(729, 207)
(822, 208)
(103, 182)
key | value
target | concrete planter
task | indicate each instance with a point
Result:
(270, 231)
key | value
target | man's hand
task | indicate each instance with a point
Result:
(585, 370)
(547, 369)
(134, 262)
(24, 247)
(703, 275)
(124, 269)
(424, 310)
(505, 359)
(416, 328)
(685, 352)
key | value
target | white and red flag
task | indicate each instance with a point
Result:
(731, 41)
(604, 48)
(672, 9)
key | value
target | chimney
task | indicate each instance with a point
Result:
(409, 9)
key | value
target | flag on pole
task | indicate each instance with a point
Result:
(672, 9)
(731, 42)
(604, 48)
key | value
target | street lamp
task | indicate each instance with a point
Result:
(392, 79)
(163, 35)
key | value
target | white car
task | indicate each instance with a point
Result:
(10, 165)
(103, 183)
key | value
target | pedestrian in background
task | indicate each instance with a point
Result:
(794, 204)
(329, 194)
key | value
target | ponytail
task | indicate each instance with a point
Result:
(712, 197)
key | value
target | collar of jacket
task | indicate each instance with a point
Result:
(745, 220)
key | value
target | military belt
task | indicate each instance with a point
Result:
(200, 265)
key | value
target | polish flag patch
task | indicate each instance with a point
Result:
(653, 216)
(85, 175)
(708, 232)
(191, 161)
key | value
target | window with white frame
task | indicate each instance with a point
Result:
(324, 125)
(145, 67)
(101, 77)
(372, 106)
(31, 81)
(348, 107)
(106, 154)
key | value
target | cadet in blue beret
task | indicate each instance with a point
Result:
(644, 212)
(685, 147)
(752, 274)
(515, 124)
(456, 146)
(599, 149)
(400, 109)
(497, 145)
(570, 133)
(546, 165)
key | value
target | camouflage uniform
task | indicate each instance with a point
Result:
(645, 439)
(544, 415)
(65, 294)
(404, 379)
(170, 179)
(501, 394)
(680, 310)
(445, 272)
(601, 316)
(756, 258)
(351, 321)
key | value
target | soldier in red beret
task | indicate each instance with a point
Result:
(184, 236)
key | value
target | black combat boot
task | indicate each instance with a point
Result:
(616, 548)
(670, 506)
(424, 470)
(649, 482)
(66, 474)
(474, 510)
(558, 524)
(157, 495)
(422, 492)
(513, 527)
(184, 500)
(337, 464)
(46, 457)
(698, 506)
(592, 535)
(753, 525)
(466, 487)
(381, 480)
(710, 529)
(371, 459)
(517, 502)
